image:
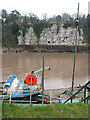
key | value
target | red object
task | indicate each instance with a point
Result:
(28, 79)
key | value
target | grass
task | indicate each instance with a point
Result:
(0, 110)
(75, 110)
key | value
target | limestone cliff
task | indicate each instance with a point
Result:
(29, 38)
(50, 36)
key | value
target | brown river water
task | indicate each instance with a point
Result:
(61, 64)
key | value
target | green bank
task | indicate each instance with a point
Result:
(75, 110)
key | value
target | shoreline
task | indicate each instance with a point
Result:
(60, 91)
(45, 49)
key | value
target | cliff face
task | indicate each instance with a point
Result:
(50, 36)
(29, 38)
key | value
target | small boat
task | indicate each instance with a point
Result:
(15, 90)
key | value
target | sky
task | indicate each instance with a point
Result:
(51, 7)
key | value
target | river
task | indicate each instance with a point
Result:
(61, 64)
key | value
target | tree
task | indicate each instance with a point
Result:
(4, 13)
(15, 12)
(38, 27)
(58, 18)
(14, 28)
(33, 18)
(66, 16)
(13, 16)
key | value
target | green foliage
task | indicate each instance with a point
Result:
(38, 27)
(25, 26)
(75, 110)
(66, 25)
(58, 26)
(24, 30)
(15, 22)
(69, 24)
(9, 37)
(58, 18)
(13, 16)
(14, 28)
(33, 18)
(15, 12)
(4, 13)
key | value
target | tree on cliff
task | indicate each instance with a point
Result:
(38, 27)
(4, 13)
(13, 16)
(14, 28)
(15, 22)
(33, 18)
(58, 18)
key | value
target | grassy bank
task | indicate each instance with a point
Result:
(75, 110)
(0, 110)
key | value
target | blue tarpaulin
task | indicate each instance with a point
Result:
(9, 81)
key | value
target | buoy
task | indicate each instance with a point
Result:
(28, 79)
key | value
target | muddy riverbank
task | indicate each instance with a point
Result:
(45, 48)
(65, 93)
(62, 91)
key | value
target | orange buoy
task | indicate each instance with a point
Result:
(28, 79)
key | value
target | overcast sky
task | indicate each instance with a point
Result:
(51, 7)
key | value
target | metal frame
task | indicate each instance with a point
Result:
(85, 98)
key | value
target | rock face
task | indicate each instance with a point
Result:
(50, 36)
(29, 38)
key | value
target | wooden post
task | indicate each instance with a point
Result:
(50, 97)
(43, 82)
(75, 52)
(10, 96)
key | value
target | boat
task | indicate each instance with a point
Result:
(15, 90)
(20, 91)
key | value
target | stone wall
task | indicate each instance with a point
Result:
(50, 36)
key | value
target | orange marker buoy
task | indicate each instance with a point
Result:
(28, 79)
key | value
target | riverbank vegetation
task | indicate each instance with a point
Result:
(75, 110)
(14, 21)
